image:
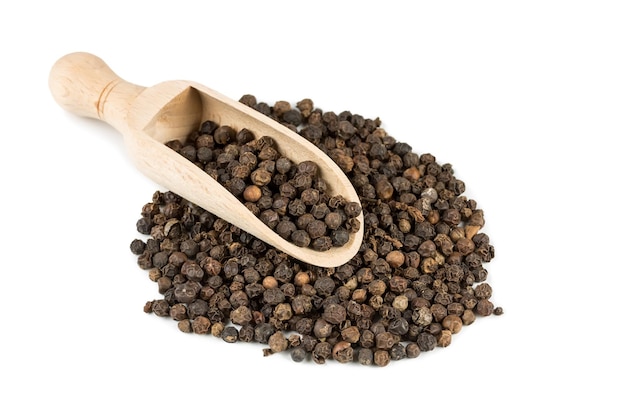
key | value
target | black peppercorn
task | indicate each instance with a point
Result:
(417, 279)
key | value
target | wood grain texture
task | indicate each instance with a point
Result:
(148, 117)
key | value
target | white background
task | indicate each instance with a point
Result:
(527, 100)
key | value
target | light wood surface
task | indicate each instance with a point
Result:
(148, 117)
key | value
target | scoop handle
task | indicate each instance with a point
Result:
(84, 84)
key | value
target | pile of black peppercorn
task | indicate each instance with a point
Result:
(417, 279)
(289, 198)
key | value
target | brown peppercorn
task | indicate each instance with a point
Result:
(468, 317)
(384, 189)
(333, 220)
(465, 246)
(429, 265)
(483, 291)
(252, 193)
(301, 238)
(192, 271)
(334, 313)
(404, 225)
(211, 266)
(185, 326)
(433, 217)
(270, 282)
(352, 209)
(385, 340)
(381, 358)
(321, 352)
(242, 315)
(224, 135)
(484, 307)
(277, 342)
(301, 278)
(322, 329)
(423, 316)
(165, 283)
(412, 350)
(376, 301)
(260, 177)
(395, 258)
(471, 231)
(246, 333)
(457, 233)
(178, 312)
(452, 323)
(439, 312)
(283, 312)
(342, 352)
(316, 229)
(401, 303)
(359, 295)
(301, 304)
(455, 308)
(445, 338)
(365, 356)
(351, 334)
(201, 325)
(412, 174)
(230, 334)
(310, 196)
(427, 249)
(217, 329)
(377, 287)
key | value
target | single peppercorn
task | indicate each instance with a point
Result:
(365, 356)
(201, 325)
(230, 334)
(343, 352)
(300, 238)
(252, 193)
(426, 341)
(484, 307)
(395, 258)
(322, 328)
(277, 342)
(445, 338)
(412, 350)
(452, 323)
(298, 354)
(381, 358)
(321, 352)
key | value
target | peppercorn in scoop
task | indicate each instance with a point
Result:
(289, 198)
(417, 280)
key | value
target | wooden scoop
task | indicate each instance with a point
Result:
(149, 117)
